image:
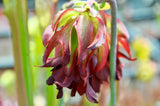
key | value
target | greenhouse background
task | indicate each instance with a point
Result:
(140, 85)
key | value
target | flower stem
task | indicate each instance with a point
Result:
(17, 14)
(113, 51)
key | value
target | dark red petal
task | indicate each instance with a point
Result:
(60, 92)
(58, 50)
(103, 75)
(47, 35)
(100, 37)
(102, 56)
(74, 89)
(83, 67)
(59, 75)
(81, 88)
(57, 67)
(66, 83)
(118, 70)
(90, 94)
(50, 80)
(53, 62)
(95, 83)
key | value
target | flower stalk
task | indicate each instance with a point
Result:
(113, 51)
(16, 12)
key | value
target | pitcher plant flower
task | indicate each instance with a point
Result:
(80, 38)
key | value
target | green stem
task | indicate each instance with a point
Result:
(16, 11)
(113, 50)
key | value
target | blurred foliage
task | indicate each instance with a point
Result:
(16, 12)
(146, 71)
(142, 48)
(36, 26)
(7, 81)
(43, 12)
(146, 68)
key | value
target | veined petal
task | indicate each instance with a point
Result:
(90, 94)
(104, 74)
(84, 28)
(47, 35)
(59, 36)
(81, 88)
(60, 92)
(100, 37)
(95, 83)
(65, 17)
(64, 41)
(102, 56)
(53, 62)
(53, 43)
(122, 41)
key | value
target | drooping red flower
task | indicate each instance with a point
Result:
(81, 42)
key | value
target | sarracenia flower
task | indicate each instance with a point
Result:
(81, 41)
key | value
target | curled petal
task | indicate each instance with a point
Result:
(84, 28)
(66, 83)
(60, 92)
(90, 94)
(124, 56)
(103, 75)
(123, 42)
(95, 83)
(53, 43)
(121, 27)
(81, 88)
(53, 62)
(100, 37)
(59, 36)
(102, 56)
(47, 35)
(50, 80)
(64, 17)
